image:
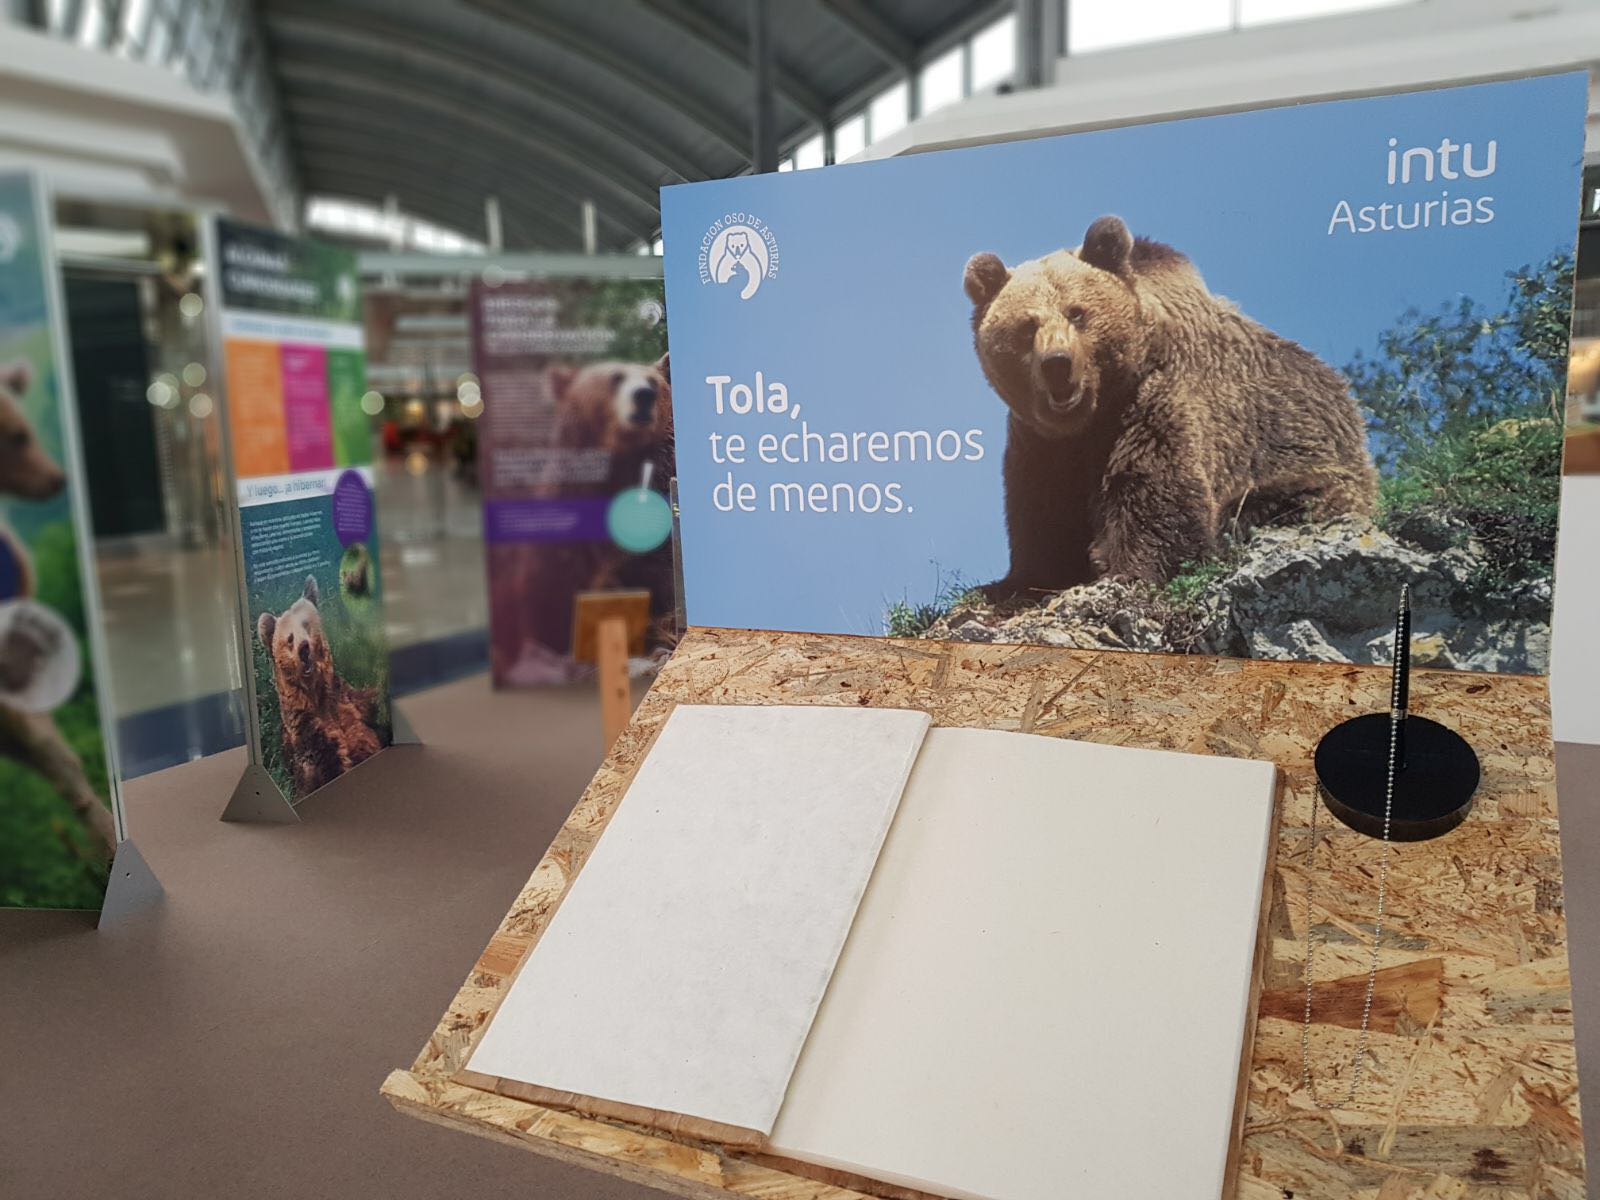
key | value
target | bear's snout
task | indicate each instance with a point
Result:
(41, 482)
(644, 405)
(305, 654)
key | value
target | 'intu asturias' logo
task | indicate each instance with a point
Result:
(739, 249)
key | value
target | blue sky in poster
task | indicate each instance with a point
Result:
(866, 324)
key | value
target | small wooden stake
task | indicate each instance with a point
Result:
(606, 627)
(612, 648)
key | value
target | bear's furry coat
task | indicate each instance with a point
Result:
(325, 720)
(1148, 416)
(31, 738)
(624, 409)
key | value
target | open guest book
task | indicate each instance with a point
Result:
(962, 962)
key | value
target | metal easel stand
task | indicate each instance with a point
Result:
(133, 886)
(257, 798)
(400, 731)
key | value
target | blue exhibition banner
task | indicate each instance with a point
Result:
(1215, 385)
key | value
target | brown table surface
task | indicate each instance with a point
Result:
(1471, 1085)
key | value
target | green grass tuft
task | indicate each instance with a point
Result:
(906, 620)
(1499, 486)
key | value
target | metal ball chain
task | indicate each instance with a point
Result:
(1395, 718)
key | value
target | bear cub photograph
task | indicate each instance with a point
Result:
(327, 725)
(1148, 417)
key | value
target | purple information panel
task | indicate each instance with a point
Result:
(352, 509)
(580, 519)
(576, 411)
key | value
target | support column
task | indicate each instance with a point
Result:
(590, 236)
(397, 232)
(764, 142)
(1039, 41)
(493, 237)
(34, 14)
(1052, 40)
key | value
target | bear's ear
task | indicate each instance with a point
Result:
(16, 376)
(265, 624)
(311, 589)
(559, 378)
(984, 277)
(1108, 245)
(664, 367)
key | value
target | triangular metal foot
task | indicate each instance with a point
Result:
(133, 886)
(400, 731)
(257, 798)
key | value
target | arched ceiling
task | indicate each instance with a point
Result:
(548, 103)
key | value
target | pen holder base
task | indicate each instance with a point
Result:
(1433, 784)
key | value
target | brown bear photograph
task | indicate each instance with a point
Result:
(578, 416)
(40, 656)
(1148, 418)
(1214, 386)
(326, 726)
(319, 654)
(1159, 439)
(1166, 455)
(58, 827)
(621, 414)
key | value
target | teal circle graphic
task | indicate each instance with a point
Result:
(639, 520)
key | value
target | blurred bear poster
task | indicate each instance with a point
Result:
(301, 454)
(576, 459)
(1582, 455)
(1215, 386)
(58, 824)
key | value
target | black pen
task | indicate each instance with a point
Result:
(1400, 685)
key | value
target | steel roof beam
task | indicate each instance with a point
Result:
(404, 173)
(552, 29)
(398, 177)
(324, 118)
(380, 178)
(715, 36)
(383, 42)
(539, 265)
(373, 179)
(514, 188)
(875, 31)
(414, 92)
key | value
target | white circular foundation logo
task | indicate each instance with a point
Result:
(739, 250)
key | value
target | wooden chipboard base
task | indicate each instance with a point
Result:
(1471, 1079)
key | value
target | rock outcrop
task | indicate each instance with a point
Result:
(1324, 592)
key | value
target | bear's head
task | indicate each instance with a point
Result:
(301, 663)
(738, 244)
(25, 469)
(355, 570)
(615, 406)
(1057, 336)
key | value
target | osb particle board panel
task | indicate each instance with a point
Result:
(1471, 1086)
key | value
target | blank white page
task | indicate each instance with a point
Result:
(684, 967)
(1046, 988)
